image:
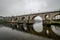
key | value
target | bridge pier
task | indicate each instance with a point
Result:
(47, 30)
(29, 27)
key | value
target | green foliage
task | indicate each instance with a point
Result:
(57, 20)
(2, 21)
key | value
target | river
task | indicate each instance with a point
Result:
(7, 33)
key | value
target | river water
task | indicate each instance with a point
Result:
(7, 33)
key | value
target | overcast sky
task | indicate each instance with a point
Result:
(22, 7)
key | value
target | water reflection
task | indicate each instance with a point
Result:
(7, 33)
(38, 28)
(56, 29)
(16, 26)
(38, 24)
(24, 26)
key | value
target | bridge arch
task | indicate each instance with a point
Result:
(52, 15)
(46, 16)
(25, 28)
(38, 24)
(57, 16)
(22, 18)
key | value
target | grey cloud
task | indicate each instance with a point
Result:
(21, 7)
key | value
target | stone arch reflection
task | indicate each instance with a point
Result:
(38, 24)
(24, 23)
(56, 29)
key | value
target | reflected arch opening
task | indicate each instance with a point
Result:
(56, 28)
(38, 24)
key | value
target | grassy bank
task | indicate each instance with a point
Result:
(2, 21)
(56, 22)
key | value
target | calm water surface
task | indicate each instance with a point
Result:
(7, 33)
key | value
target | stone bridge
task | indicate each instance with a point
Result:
(47, 30)
(29, 18)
